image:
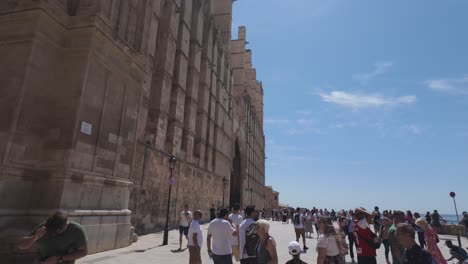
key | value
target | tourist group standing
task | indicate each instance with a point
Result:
(231, 236)
(241, 236)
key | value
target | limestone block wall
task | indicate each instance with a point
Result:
(96, 96)
(73, 81)
(249, 90)
(190, 115)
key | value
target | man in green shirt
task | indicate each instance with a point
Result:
(58, 240)
(395, 247)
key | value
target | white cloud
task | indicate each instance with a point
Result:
(379, 69)
(454, 85)
(298, 126)
(358, 101)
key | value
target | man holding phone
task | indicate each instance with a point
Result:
(184, 223)
(58, 240)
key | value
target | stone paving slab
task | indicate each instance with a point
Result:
(148, 249)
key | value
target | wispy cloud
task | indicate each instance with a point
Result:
(295, 126)
(359, 101)
(451, 85)
(379, 69)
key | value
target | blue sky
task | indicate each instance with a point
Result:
(366, 102)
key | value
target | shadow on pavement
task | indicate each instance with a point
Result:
(178, 250)
(144, 250)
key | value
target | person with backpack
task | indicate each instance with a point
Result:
(412, 253)
(299, 222)
(266, 247)
(248, 237)
(431, 238)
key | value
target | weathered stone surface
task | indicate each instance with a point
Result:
(95, 99)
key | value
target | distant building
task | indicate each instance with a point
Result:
(271, 198)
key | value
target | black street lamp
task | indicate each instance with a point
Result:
(452, 194)
(172, 161)
(224, 186)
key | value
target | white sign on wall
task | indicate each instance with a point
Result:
(86, 128)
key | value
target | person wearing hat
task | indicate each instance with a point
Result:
(295, 251)
(456, 252)
(366, 241)
(299, 222)
(431, 238)
(464, 223)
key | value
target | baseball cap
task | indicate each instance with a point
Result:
(294, 248)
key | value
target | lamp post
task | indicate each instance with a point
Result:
(224, 186)
(172, 161)
(452, 194)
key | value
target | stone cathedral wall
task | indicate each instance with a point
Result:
(95, 96)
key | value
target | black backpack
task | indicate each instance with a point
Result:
(297, 219)
(251, 240)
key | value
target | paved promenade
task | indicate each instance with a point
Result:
(148, 249)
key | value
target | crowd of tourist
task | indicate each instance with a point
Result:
(244, 235)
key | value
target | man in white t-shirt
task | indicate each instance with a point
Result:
(184, 222)
(298, 221)
(250, 215)
(235, 219)
(221, 232)
(195, 238)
